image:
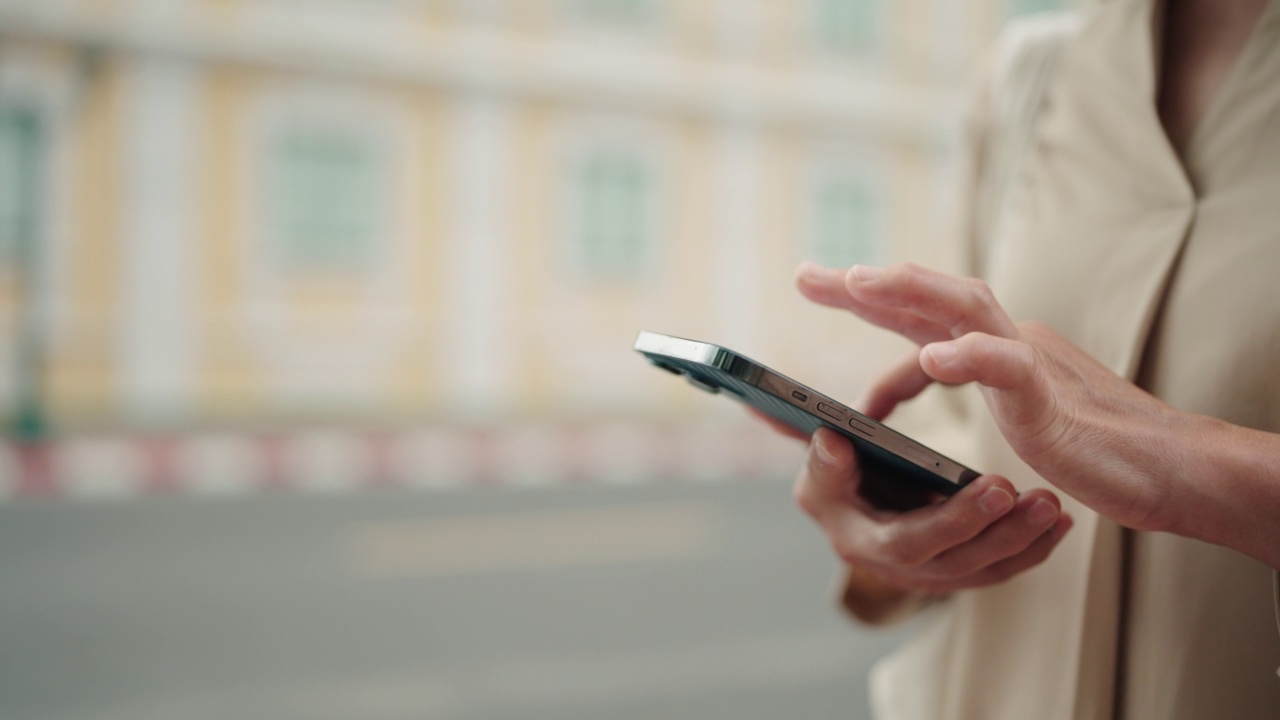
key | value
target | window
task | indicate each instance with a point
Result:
(848, 25)
(1030, 7)
(19, 177)
(617, 12)
(844, 222)
(615, 207)
(327, 191)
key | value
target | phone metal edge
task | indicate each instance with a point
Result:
(754, 373)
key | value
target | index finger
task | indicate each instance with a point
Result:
(962, 305)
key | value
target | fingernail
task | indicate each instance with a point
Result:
(865, 273)
(824, 454)
(995, 501)
(942, 353)
(1041, 513)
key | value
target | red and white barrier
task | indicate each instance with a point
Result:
(334, 461)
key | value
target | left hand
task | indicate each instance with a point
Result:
(1088, 431)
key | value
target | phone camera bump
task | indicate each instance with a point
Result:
(669, 368)
(704, 384)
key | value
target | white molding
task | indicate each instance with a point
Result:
(158, 329)
(582, 71)
(477, 352)
(394, 22)
(657, 35)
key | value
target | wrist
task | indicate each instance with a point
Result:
(1223, 486)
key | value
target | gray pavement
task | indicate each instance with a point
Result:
(660, 601)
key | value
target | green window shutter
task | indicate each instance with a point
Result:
(19, 180)
(848, 25)
(327, 200)
(845, 223)
(615, 197)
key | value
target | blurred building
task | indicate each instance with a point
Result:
(225, 213)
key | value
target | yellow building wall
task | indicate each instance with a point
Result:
(81, 366)
(557, 315)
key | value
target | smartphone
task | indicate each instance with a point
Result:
(898, 473)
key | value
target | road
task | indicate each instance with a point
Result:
(672, 600)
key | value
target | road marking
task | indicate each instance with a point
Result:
(531, 541)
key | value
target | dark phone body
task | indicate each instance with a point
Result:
(898, 473)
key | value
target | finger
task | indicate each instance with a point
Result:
(777, 425)
(828, 482)
(1009, 366)
(1035, 512)
(961, 305)
(1035, 554)
(826, 286)
(913, 538)
(901, 383)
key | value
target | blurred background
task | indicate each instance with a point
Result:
(315, 328)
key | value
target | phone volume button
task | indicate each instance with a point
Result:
(862, 427)
(831, 412)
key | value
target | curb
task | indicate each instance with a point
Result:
(337, 461)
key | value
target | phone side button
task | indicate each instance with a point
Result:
(830, 412)
(862, 427)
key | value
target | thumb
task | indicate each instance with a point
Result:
(1011, 368)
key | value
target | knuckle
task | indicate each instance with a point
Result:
(950, 565)
(901, 552)
(847, 550)
(981, 295)
(1033, 328)
(802, 492)
(951, 528)
(906, 269)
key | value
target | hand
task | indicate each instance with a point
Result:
(1083, 428)
(983, 535)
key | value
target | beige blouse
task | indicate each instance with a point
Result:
(1167, 270)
